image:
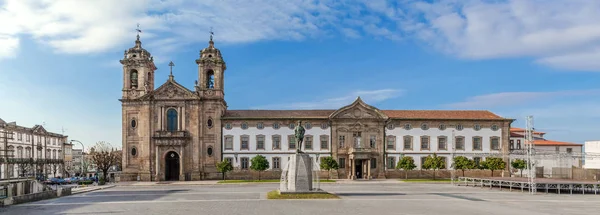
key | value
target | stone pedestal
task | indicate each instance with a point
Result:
(299, 178)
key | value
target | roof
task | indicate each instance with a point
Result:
(553, 143)
(398, 114)
(523, 130)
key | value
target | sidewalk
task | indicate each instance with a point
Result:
(90, 188)
(216, 182)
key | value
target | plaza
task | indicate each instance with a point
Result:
(364, 197)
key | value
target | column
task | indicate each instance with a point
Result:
(369, 169)
(162, 114)
(157, 169)
(353, 163)
(181, 161)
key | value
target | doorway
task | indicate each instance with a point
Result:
(172, 167)
(359, 169)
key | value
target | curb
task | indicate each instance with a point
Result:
(92, 189)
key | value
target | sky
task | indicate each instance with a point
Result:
(59, 59)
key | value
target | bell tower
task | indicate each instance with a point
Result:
(211, 69)
(138, 70)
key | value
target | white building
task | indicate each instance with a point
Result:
(592, 148)
(28, 152)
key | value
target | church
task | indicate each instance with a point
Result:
(175, 133)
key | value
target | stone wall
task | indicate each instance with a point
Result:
(34, 197)
(586, 174)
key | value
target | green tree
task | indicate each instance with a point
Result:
(103, 156)
(494, 164)
(463, 163)
(519, 164)
(406, 163)
(224, 167)
(328, 163)
(259, 163)
(434, 162)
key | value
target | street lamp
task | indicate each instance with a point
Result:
(82, 151)
(452, 158)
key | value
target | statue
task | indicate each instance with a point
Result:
(299, 134)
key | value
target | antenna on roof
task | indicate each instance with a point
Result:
(63, 130)
(44, 124)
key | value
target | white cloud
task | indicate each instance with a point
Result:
(508, 99)
(370, 97)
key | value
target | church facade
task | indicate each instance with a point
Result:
(175, 133)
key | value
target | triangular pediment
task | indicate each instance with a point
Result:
(358, 110)
(170, 90)
(39, 129)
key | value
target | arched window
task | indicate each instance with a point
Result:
(20, 152)
(171, 120)
(133, 76)
(210, 79)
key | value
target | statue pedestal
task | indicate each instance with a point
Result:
(299, 176)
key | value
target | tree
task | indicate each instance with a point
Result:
(55, 169)
(224, 167)
(104, 157)
(259, 163)
(494, 164)
(463, 163)
(406, 163)
(328, 163)
(24, 168)
(434, 162)
(519, 164)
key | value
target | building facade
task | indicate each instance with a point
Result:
(593, 149)
(68, 160)
(28, 152)
(174, 133)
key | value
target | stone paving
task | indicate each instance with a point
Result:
(356, 198)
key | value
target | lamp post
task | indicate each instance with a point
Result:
(452, 158)
(82, 151)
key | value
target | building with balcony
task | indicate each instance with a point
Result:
(30, 152)
(175, 133)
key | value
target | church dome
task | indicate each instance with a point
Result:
(137, 52)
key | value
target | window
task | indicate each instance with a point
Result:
(477, 143)
(424, 126)
(276, 125)
(324, 142)
(423, 161)
(276, 142)
(210, 79)
(372, 141)
(230, 160)
(244, 142)
(407, 126)
(276, 163)
(444, 162)
(390, 126)
(442, 127)
(244, 125)
(442, 145)
(391, 163)
(260, 125)
(28, 138)
(357, 136)
(512, 144)
(133, 77)
(494, 127)
(307, 125)
(407, 142)
(495, 143)
(569, 150)
(133, 123)
(424, 143)
(459, 127)
(19, 136)
(477, 160)
(341, 141)
(308, 140)
(171, 120)
(229, 142)
(133, 151)
(477, 127)
(292, 125)
(460, 143)
(228, 126)
(291, 142)
(209, 123)
(209, 151)
(518, 144)
(342, 162)
(373, 163)
(260, 142)
(244, 163)
(324, 125)
(391, 142)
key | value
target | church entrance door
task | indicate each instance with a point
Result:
(359, 169)
(172, 166)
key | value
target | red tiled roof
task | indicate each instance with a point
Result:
(523, 130)
(553, 143)
(402, 114)
(441, 114)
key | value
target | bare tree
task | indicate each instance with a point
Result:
(104, 157)
(24, 168)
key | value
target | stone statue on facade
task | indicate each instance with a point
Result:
(299, 134)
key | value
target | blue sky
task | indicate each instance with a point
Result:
(59, 59)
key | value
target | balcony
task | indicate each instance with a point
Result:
(361, 153)
(171, 138)
(171, 134)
